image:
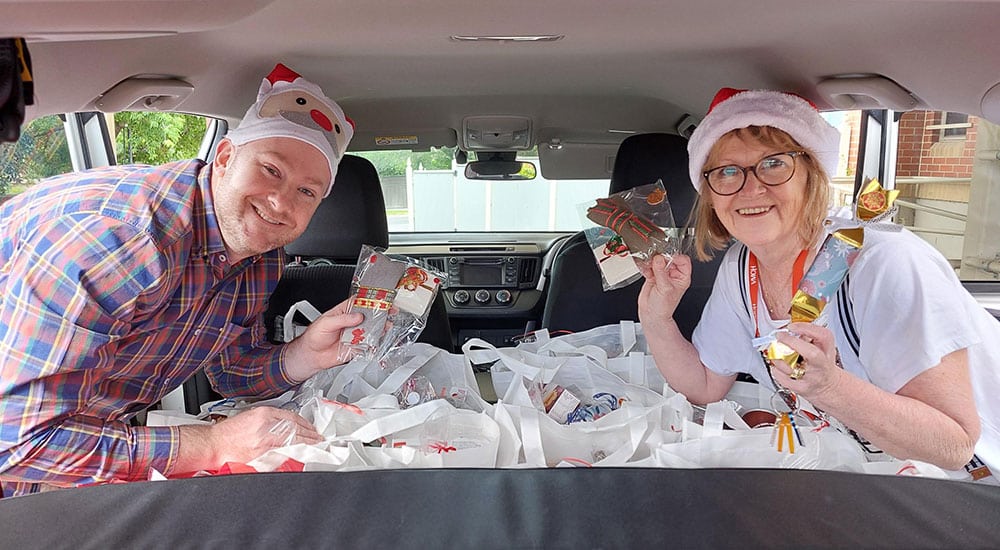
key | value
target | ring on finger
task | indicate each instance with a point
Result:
(798, 371)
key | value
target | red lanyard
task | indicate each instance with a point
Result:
(753, 273)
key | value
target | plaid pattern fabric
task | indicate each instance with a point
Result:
(114, 289)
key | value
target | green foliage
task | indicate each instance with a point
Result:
(393, 163)
(156, 138)
(39, 153)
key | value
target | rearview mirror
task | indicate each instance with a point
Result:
(500, 170)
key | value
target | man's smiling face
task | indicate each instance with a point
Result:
(265, 192)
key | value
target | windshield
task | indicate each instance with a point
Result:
(427, 191)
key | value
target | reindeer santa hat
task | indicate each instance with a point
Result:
(291, 106)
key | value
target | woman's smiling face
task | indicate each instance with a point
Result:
(758, 214)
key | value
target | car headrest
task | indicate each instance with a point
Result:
(352, 215)
(645, 158)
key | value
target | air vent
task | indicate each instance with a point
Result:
(437, 264)
(526, 272)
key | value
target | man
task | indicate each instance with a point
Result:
(118, 284)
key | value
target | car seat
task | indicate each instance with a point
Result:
(576, 299)
(324, 257)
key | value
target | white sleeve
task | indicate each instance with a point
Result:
(910, 308)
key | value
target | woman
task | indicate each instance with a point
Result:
(923, 381)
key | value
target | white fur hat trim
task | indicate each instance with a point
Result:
(788, 112)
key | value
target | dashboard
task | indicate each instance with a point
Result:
(495, 287)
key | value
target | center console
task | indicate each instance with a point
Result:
(477, 281)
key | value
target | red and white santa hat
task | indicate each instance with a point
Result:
(291, 106)
(732, 109)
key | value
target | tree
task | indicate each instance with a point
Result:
(156, 138)
(39, 153)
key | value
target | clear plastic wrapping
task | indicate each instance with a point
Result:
(635, 225)
(394, 293)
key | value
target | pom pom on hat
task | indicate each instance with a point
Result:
(732, 109)
(290, 106)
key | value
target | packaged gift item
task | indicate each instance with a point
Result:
(416, 290)
(373, 290)
(642, 226)
(613, 258)
(395, 294)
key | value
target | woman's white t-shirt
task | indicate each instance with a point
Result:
(907, 308)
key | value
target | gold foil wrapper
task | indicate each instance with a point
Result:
(874, 201)
(805, 308)
(854, 237)
(777, 350)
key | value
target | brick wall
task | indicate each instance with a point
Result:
(922, 153)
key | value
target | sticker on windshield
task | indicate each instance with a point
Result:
(395, 140)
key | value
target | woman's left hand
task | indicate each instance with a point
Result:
(818, 352)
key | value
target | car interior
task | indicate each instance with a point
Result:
(484, 130)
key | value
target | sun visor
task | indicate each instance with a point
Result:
(567, 160)
(413, 140)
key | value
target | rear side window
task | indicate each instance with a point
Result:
(156, 138)
(134, 137)
(40, 152)
(948, 174)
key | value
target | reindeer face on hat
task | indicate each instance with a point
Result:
(291, 106)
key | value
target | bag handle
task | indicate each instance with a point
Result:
(629, 336)
(399, 421)
(403, 373)
(557, 347)
(510, 357)
(531, 437)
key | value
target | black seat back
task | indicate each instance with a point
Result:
(576, 299)
(325, 256)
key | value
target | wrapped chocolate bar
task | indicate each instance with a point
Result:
(636, 224)
(835, 257)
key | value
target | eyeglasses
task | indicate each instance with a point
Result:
(771, 170)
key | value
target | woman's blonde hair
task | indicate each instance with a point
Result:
(709, 233)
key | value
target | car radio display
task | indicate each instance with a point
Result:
(472, 274)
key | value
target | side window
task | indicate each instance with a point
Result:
(43, 149)
(946, 166)
(156, 138)
(40, 152)
(948, 175)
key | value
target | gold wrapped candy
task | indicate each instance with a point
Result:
(835, 257)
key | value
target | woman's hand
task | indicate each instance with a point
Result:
(665, 284)
(818, 352)
(932, 418)
(319, 346)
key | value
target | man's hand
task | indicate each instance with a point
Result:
(319, 346)
(241, 438)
